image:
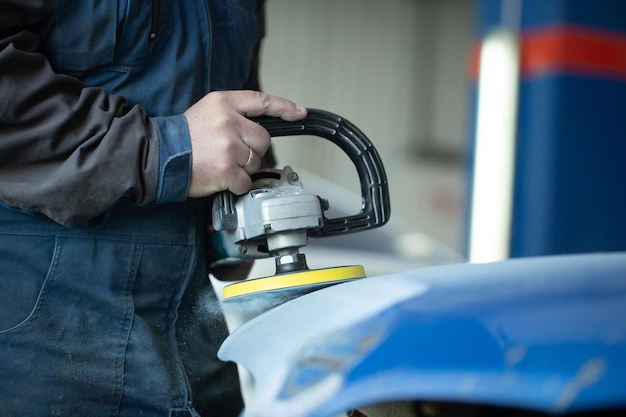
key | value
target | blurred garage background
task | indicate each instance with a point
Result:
(500, 122)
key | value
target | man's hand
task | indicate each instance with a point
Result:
(226, 146)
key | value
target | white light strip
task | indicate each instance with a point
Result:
(492, 192)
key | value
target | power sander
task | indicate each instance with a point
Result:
(278, 215)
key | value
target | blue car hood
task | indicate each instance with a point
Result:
(545, 334)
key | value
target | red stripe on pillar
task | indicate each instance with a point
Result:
(567, 49)
(592, 52)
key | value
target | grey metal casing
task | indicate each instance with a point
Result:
(275, 214)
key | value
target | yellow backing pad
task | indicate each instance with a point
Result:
(309, 279)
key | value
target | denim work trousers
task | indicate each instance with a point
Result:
(113, 318)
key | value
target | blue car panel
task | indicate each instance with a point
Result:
(545, 334)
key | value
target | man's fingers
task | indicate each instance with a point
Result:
(255, 136)
(255, 103)
(240, 182)
(227, 147)
(253, 163)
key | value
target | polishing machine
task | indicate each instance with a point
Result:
(278, 215)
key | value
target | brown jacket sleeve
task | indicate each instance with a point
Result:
(66, 151)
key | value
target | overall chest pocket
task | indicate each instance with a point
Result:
(106, 35)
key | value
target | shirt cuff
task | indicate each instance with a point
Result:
(174, 158)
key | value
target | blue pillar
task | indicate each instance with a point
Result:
(569, 192)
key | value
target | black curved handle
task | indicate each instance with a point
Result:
(375, 208)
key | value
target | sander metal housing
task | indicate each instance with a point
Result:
(278, 215)
(272, 219)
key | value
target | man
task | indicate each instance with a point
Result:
(110, 143)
